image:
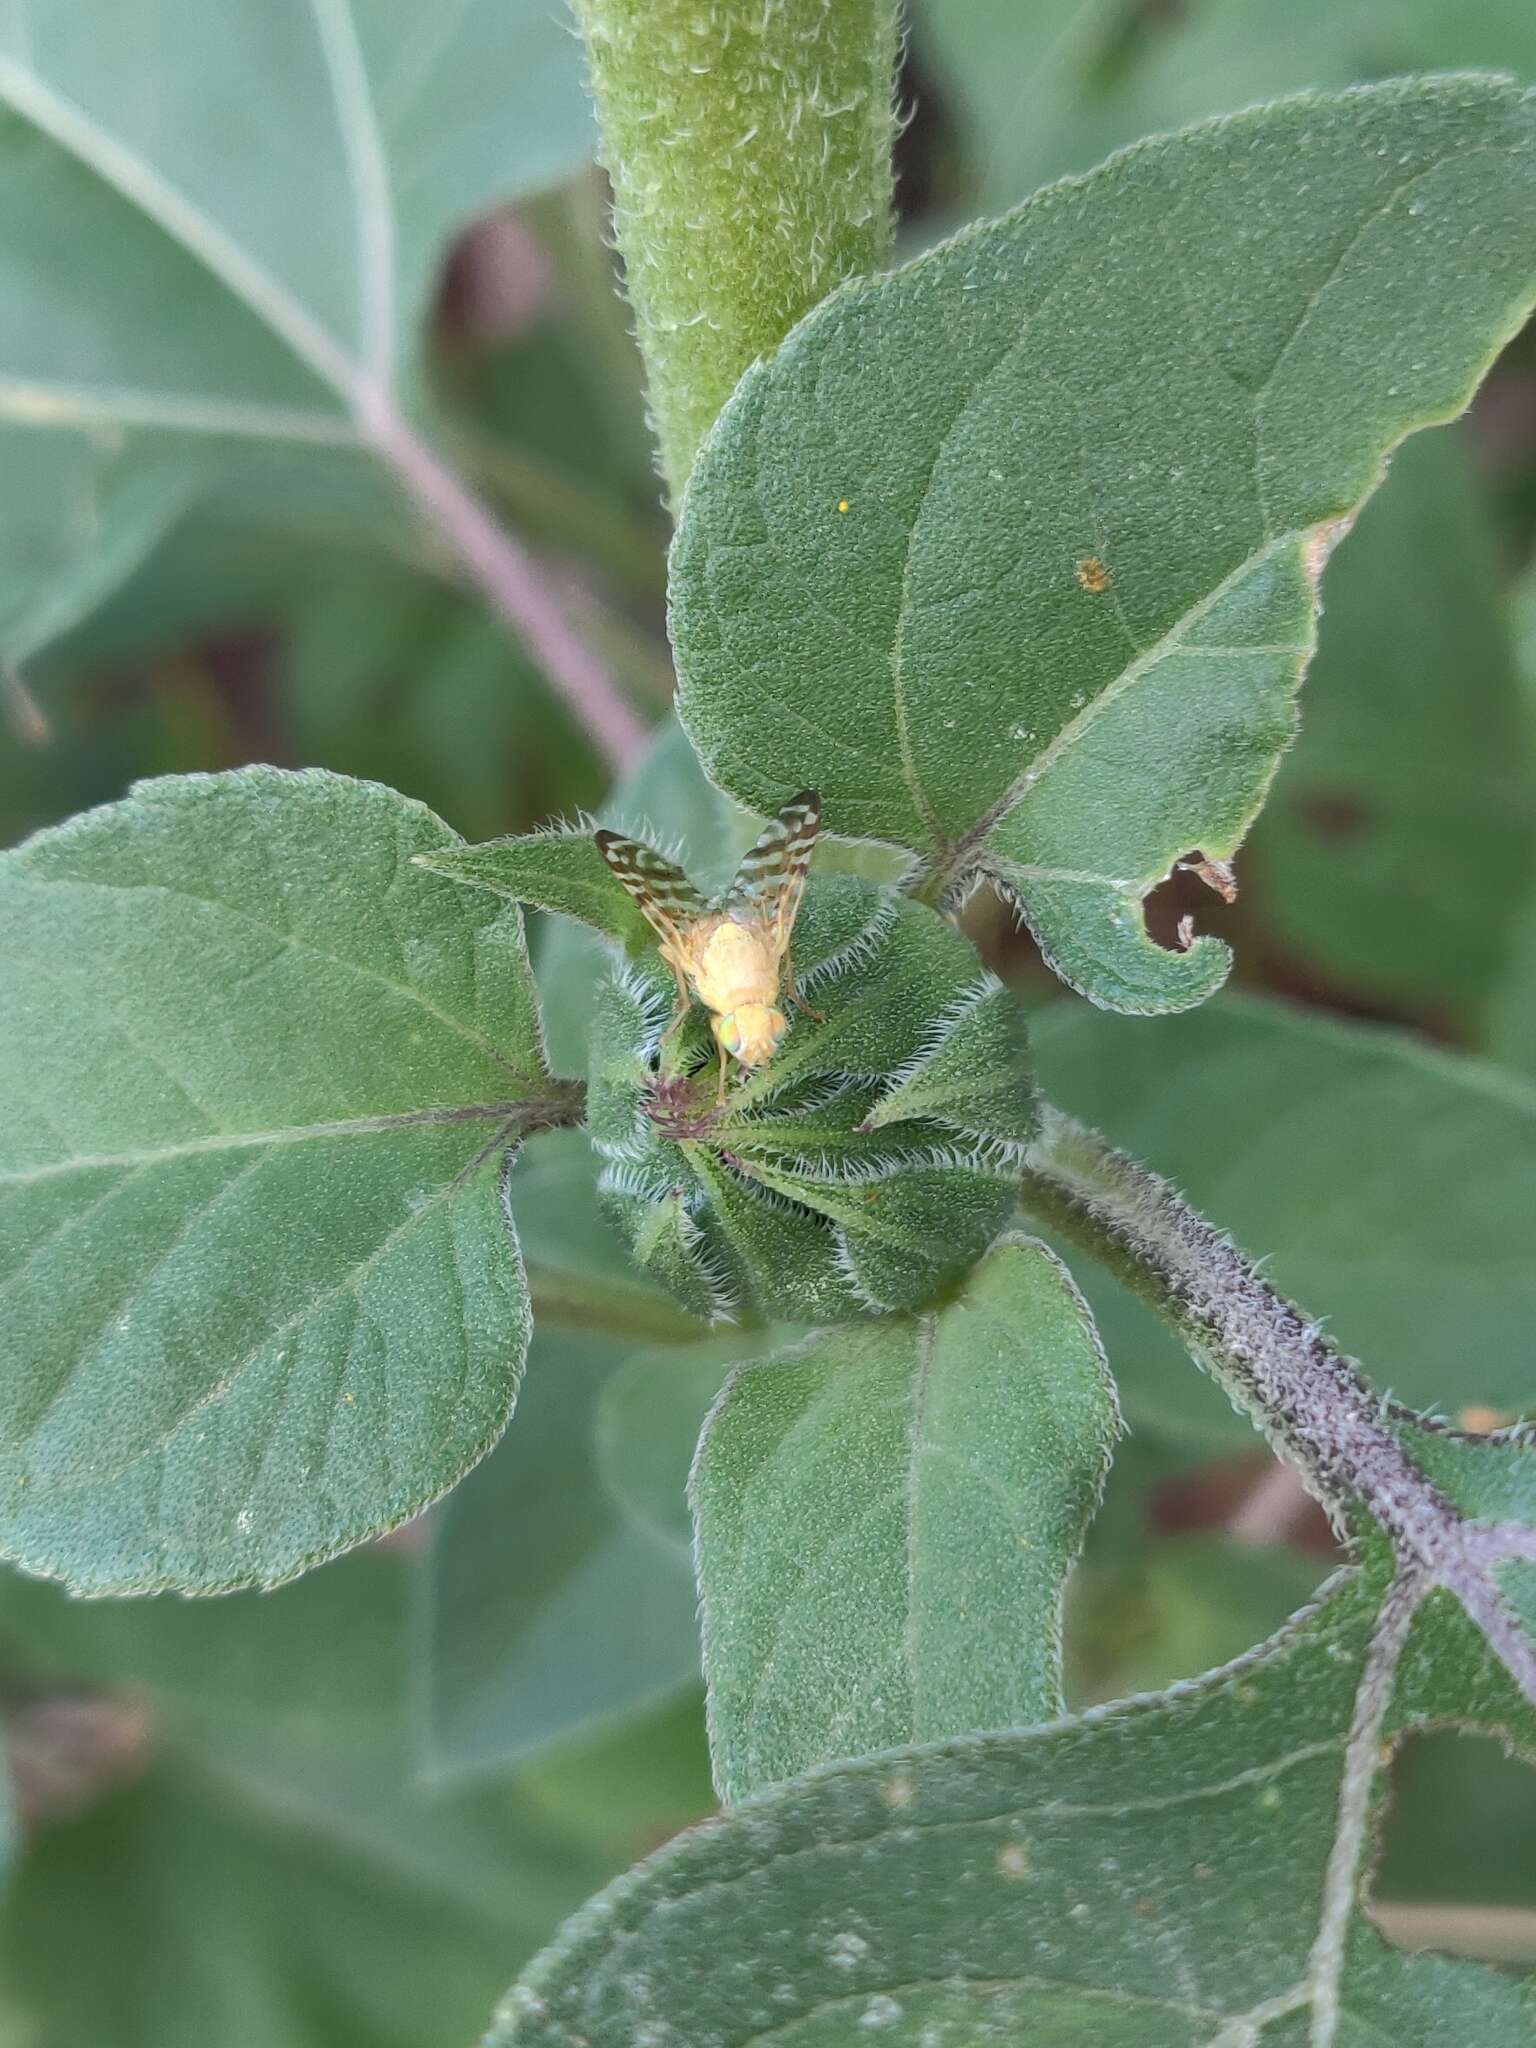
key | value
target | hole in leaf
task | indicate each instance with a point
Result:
(1457, 1868)
(1195, 896)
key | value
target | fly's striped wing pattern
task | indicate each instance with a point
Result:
(771, 879)
(667, 899)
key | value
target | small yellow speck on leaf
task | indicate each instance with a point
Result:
(1477, 1420)
(1093, 576)
(842, 504)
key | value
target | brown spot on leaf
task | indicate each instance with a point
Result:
(1478, 1420)
(1320, 544)
(1093, 576)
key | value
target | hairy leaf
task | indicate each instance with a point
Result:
(215, 264)
(1382, 1180)
(885, 1519)
(551, 871)
(1016, 549)
(547, 1609)
(1153, 1873)
(260, 1300)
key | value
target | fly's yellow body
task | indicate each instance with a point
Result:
(733, 954)
(735, 970)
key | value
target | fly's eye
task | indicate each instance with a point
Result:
(730, 1035)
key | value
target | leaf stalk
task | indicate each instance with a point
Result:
(509, 578)
(1275, 1363)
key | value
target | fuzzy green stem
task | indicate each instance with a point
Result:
(749, 147)
(1273, 1361)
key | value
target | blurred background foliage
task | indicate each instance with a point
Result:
(339, 1816)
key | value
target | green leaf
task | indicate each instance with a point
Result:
(1046, 86)
(546, 1614)
(554, 870)
(261, 1302)
(1090, 456)
(214, 267)
(976, 1078)
(649, 1416)
(1400, 842)
(1512, 1028)
(1381, 1179)
(885, 1519)
(1150, 1874)
(262, 1799)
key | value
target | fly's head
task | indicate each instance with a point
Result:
(751, 1032)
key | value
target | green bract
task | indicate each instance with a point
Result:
(865, 1167)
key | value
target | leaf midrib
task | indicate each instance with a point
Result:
(409, 991)
(72, 129)
(283, 1134)
(1167, 645)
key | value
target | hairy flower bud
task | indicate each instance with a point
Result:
(866, 1167)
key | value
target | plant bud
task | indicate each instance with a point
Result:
(865, 1168)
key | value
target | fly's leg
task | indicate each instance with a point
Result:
(794, 995)
(720, 1092)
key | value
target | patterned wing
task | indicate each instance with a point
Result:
(664, 893)
(771, 879)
